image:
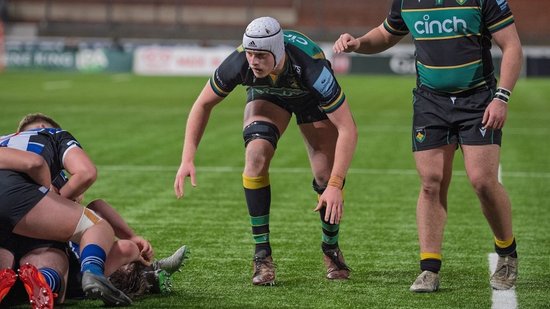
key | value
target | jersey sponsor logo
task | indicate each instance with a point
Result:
(281, 92)
(325, 83)
(419, 134)
(427, 26)
(461, 2)
(291, 37)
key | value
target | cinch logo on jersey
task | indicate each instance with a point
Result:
(427, 26)
(291, 37)
(444, 23)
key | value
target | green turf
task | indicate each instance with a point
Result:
(132, 128)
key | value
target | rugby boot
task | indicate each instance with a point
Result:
(264, 269)
(426, 282)
(505, 274)
(99, 287)
(172, 263)
(159, 281)
(7, 279)
(39, 291)
(336, 265)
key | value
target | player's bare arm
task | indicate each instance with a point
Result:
(26, 162)
(332, 198)
(512, 57)
(83, 173)
(122, 229)
(374, 41)
(196, 124)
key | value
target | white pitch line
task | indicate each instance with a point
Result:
(296, 170)
(121, 78)
(57, 85)
(502, 299)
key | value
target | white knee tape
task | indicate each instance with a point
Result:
(87, 220)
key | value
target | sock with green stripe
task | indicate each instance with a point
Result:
(330, 231)
(257, 191)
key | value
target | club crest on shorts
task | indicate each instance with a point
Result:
(419, 134)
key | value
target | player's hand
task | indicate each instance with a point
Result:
(185, 170)
(145, 249)
(495, 115)
(346, 43)
(333, 200)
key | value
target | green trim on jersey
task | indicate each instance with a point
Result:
(392, 30)
(443, 23)
(501, 24)
(304, 43)
(217, 89)
(452, 78)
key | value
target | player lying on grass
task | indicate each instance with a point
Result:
(28, 208)
(137, 278)
(48, 253)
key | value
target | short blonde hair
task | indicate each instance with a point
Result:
(36, 117)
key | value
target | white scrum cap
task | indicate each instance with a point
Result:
(265, 34)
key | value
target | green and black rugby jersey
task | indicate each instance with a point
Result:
(452, 39)
(306, 73)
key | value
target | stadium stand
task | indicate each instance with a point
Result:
(222, 19)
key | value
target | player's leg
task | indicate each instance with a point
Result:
(7, 275)
(434, 139)
(434, 167)
(6, 258)
(57, 218)
(264, 122)
(122, 252)
(481, 149)
(43, 272)
(481, 163)
(320, 140)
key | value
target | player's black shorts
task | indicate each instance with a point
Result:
(18, 195)
(440, 120)
(19, 245)
(305, 108)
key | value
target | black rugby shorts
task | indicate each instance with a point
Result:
(440, 120)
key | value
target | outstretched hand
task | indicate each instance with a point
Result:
(346, 43)
(185, 170)
(333, 200)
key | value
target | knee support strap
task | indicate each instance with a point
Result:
(87, 220)
(261, 129)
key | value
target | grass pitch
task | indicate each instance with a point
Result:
(132, 128)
